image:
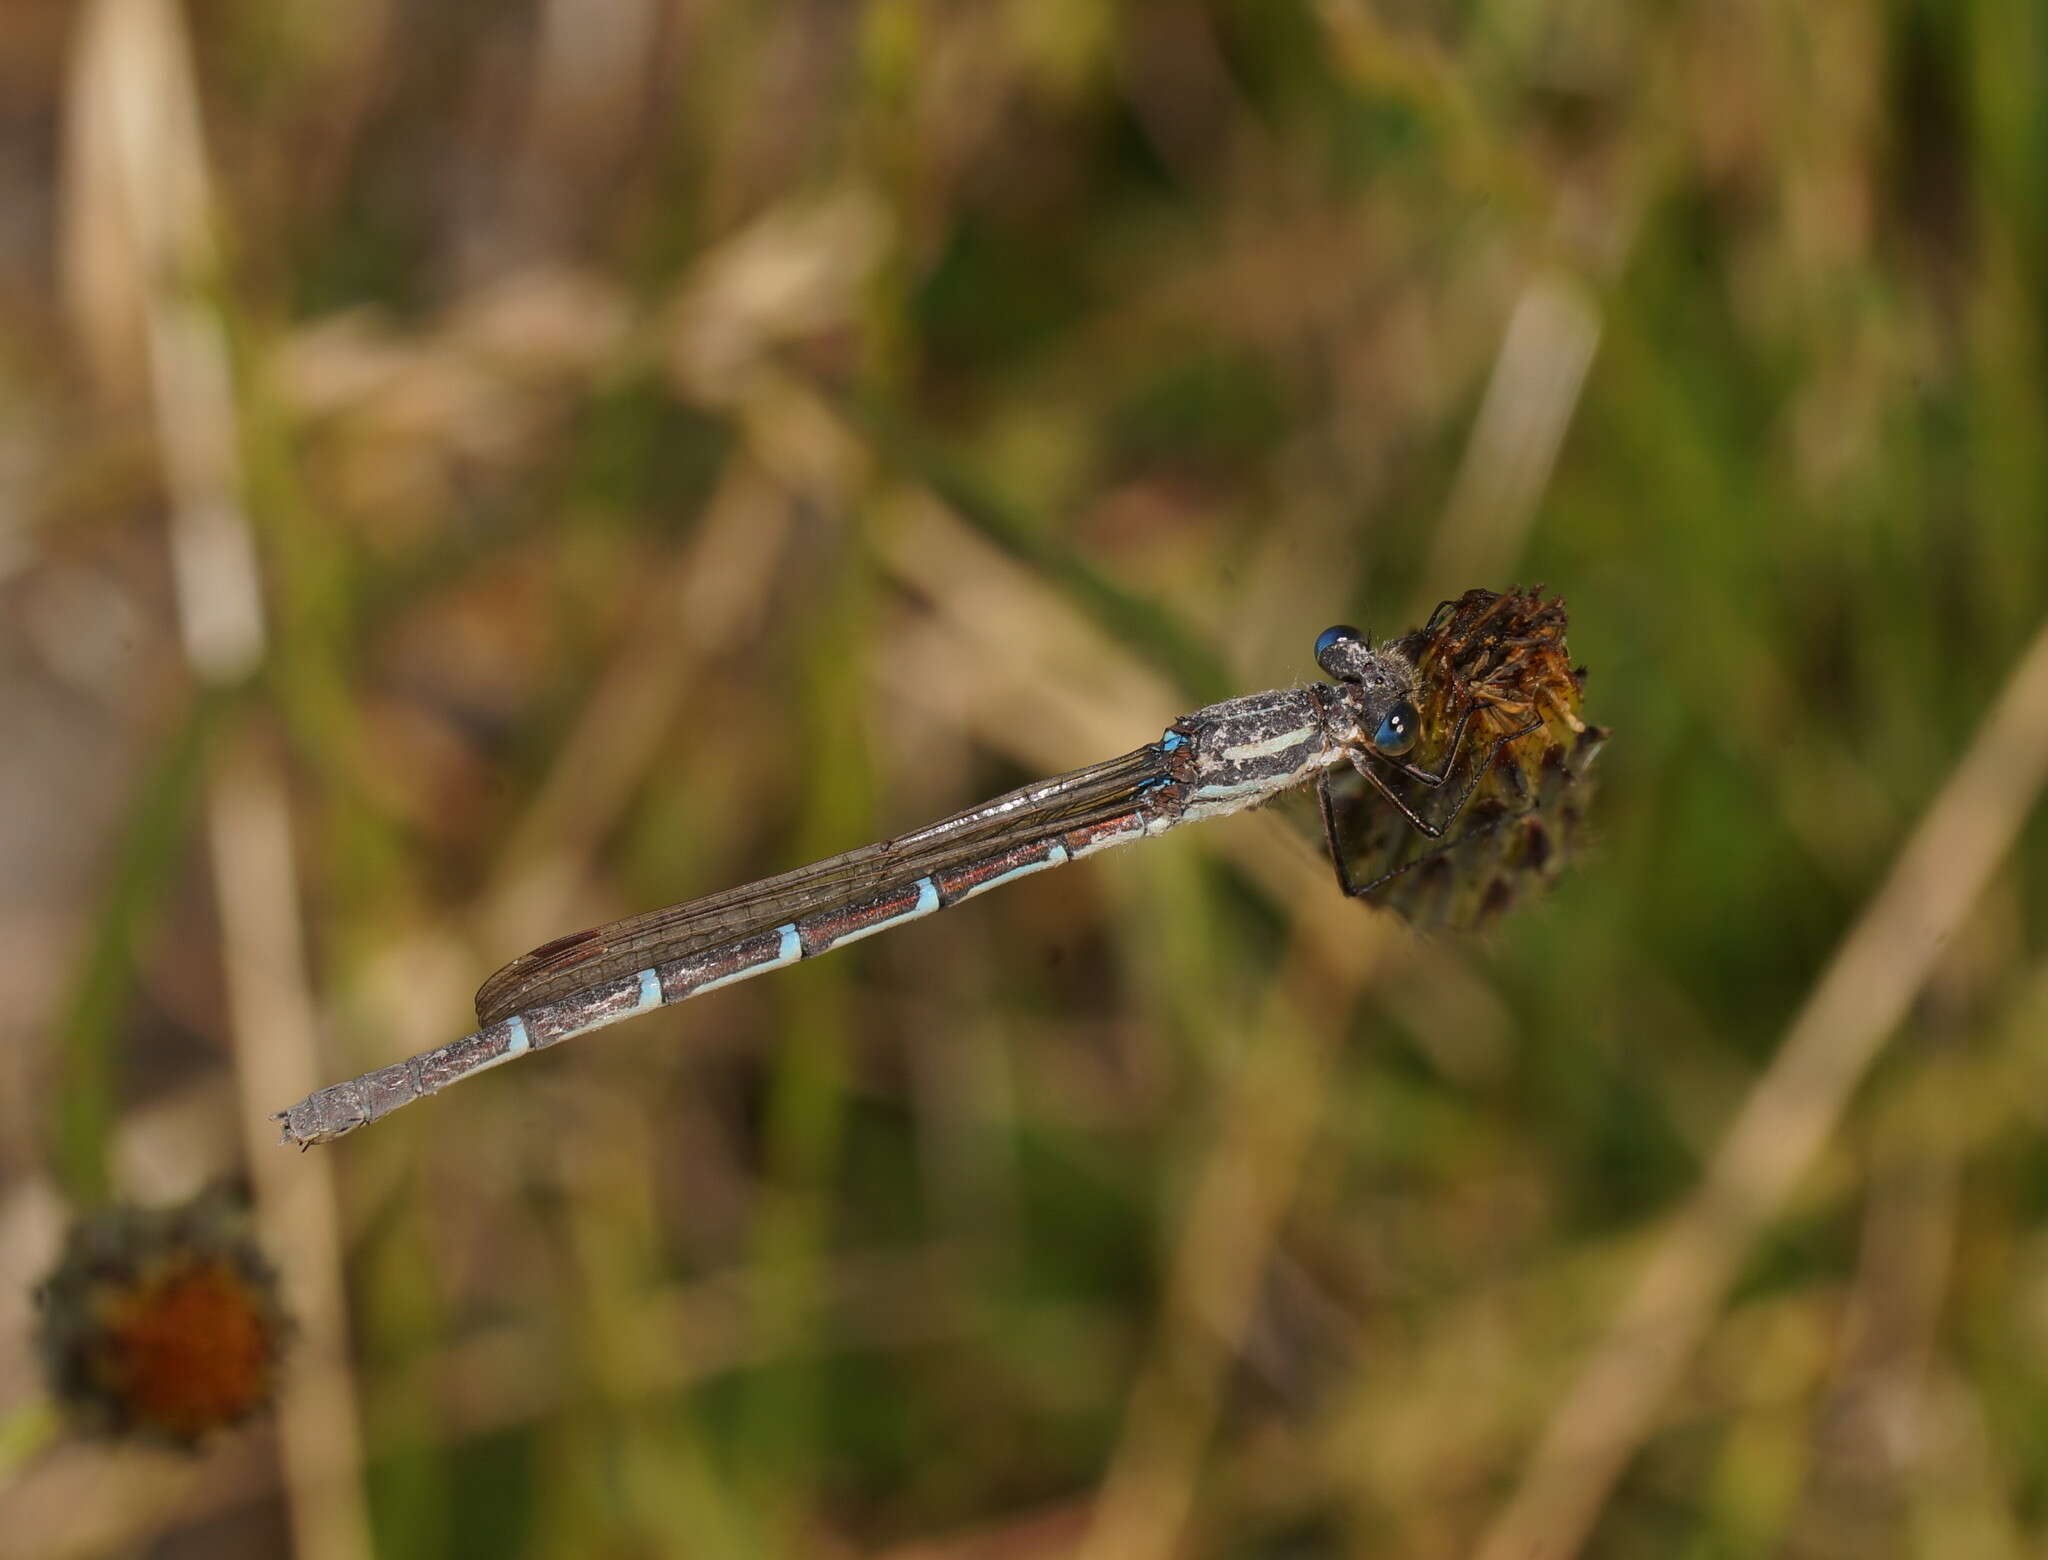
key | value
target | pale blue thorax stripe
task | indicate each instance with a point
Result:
(650, 992)
(1244, 752)
(1251, 787)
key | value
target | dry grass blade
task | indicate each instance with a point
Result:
(139, 112)
(1228, 1239)
(1541, 370)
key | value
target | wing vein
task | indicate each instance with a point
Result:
(637, 942)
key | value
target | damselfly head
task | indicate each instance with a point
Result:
(1377, 685)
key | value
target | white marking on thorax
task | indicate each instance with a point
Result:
(1245, 752)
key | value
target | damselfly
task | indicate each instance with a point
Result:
(1471, 680)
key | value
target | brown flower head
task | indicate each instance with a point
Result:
(162, 1323)
(1503, 658)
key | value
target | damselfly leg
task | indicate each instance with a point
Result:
(1362, 761)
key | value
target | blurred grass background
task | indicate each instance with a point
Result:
(469, 471)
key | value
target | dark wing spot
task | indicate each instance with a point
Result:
(548, 950)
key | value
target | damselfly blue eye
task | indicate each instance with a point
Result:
(1329, 639)
(1397, 732)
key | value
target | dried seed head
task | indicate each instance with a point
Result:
(1504, 657)
(162, 1323)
